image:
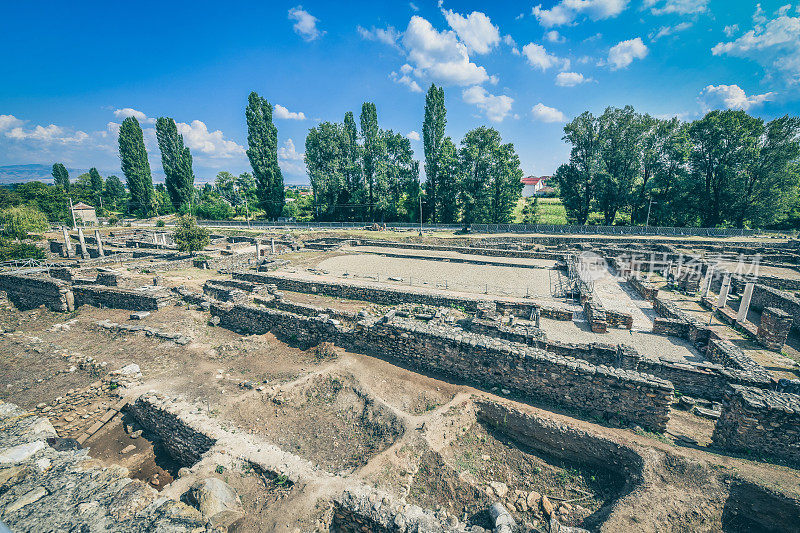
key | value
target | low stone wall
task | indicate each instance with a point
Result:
(32, 291)
(493, 252)
(222, 293)
(183, 443)
(117, 298)
(278, 302)
(693, 331)
(530, 335)
(549, 377)
(760, 421)
(383, 295)
(646, 289)
(764, 297)
(774, 328)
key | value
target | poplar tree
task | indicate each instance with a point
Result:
(177, 163)
(136, 167)
(373, 148)
(61, 176)
(433, 138)
(95, 181)
(262, 151)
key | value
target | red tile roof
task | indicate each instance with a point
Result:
(82, 206)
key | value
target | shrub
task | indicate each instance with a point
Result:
(18, 250)
(18, 221)
(214, 209)
(189, 236)
(160, 224)
(112, 221)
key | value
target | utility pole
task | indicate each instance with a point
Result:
(420, 215)
(72, 211)
(650, 206)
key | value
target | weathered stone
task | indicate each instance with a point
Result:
(217, 501)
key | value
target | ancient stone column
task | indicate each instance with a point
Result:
(707, 282)
(67, 244)
(680, 266)
(84, 253)
(99, 243)
(272, 243)
(723, 292)
(744, 306)
(774, 328)
(258, 250)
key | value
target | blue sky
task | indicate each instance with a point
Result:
(72, 71)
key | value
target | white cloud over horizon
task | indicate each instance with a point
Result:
(730, 97)
(305, 24)
(475, 30)
(571, 79)
(543, 113)
(283, 113)
(567, 11)
(678, 7)
(622, 54)
(496, 108)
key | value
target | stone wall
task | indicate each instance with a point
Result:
(646, 289)
(223, 293)
(760, 421)
(117, 298)
(32, 291)
(530, 335)
(278, 302)
(184, 444)
(384, 295)
(493, 252)
(548, 377)
(764, 297)
(774, 328)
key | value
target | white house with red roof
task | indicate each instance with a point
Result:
(532, 185)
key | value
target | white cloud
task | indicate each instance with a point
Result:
(404, 78)
(554, 37)
(542, 113)
(622, 54)
(413, 6)
(47, 134)
(730, 97)
(282, 112)
(571, 79)
(568, 10)
(665, 31)
(209, 143)
(680, 7)
(475, 30)
(496, 108)
(440, 56)
(305, 24)
(126, 112)
(413, 135)
(290, 160)
(538, 57)
(773, 44)
(388, 35)
(9, 121)
(731, 30)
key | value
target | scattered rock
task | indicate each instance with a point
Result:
(26, 499)
(547, 507)
(139, 315)
(128, 449)
(217, 501)
(500, 489)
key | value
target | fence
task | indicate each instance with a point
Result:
(499, 228)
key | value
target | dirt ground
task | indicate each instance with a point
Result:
(415, 436)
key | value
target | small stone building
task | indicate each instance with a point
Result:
(85, 213)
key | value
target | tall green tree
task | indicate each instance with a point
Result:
(491, 173)
(262, 151)
(324, 164)
(95, 181)
(355, 192)
(448, 172)
(402, 179)
(373, 152)
(433, 127)
(177, 163)
(620, 135)
(113, 193)
(136, 167)
(61, 177)
(583, 134)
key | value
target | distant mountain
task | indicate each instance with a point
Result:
(23, 173)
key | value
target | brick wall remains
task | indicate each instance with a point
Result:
(774, 328)
(118, 298)
(32, 291)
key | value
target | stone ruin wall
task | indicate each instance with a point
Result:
(383, 295)
(760, 421)
(114, 298)
(32, 291)
(570, 382)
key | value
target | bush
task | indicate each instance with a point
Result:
(112, 221)
(18, 250)
(214, 209)
(18, 221)
(160, 224)
(189, 236)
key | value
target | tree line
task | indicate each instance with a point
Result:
(371, 174)
(725, 169)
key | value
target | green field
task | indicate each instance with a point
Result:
(550, 211)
